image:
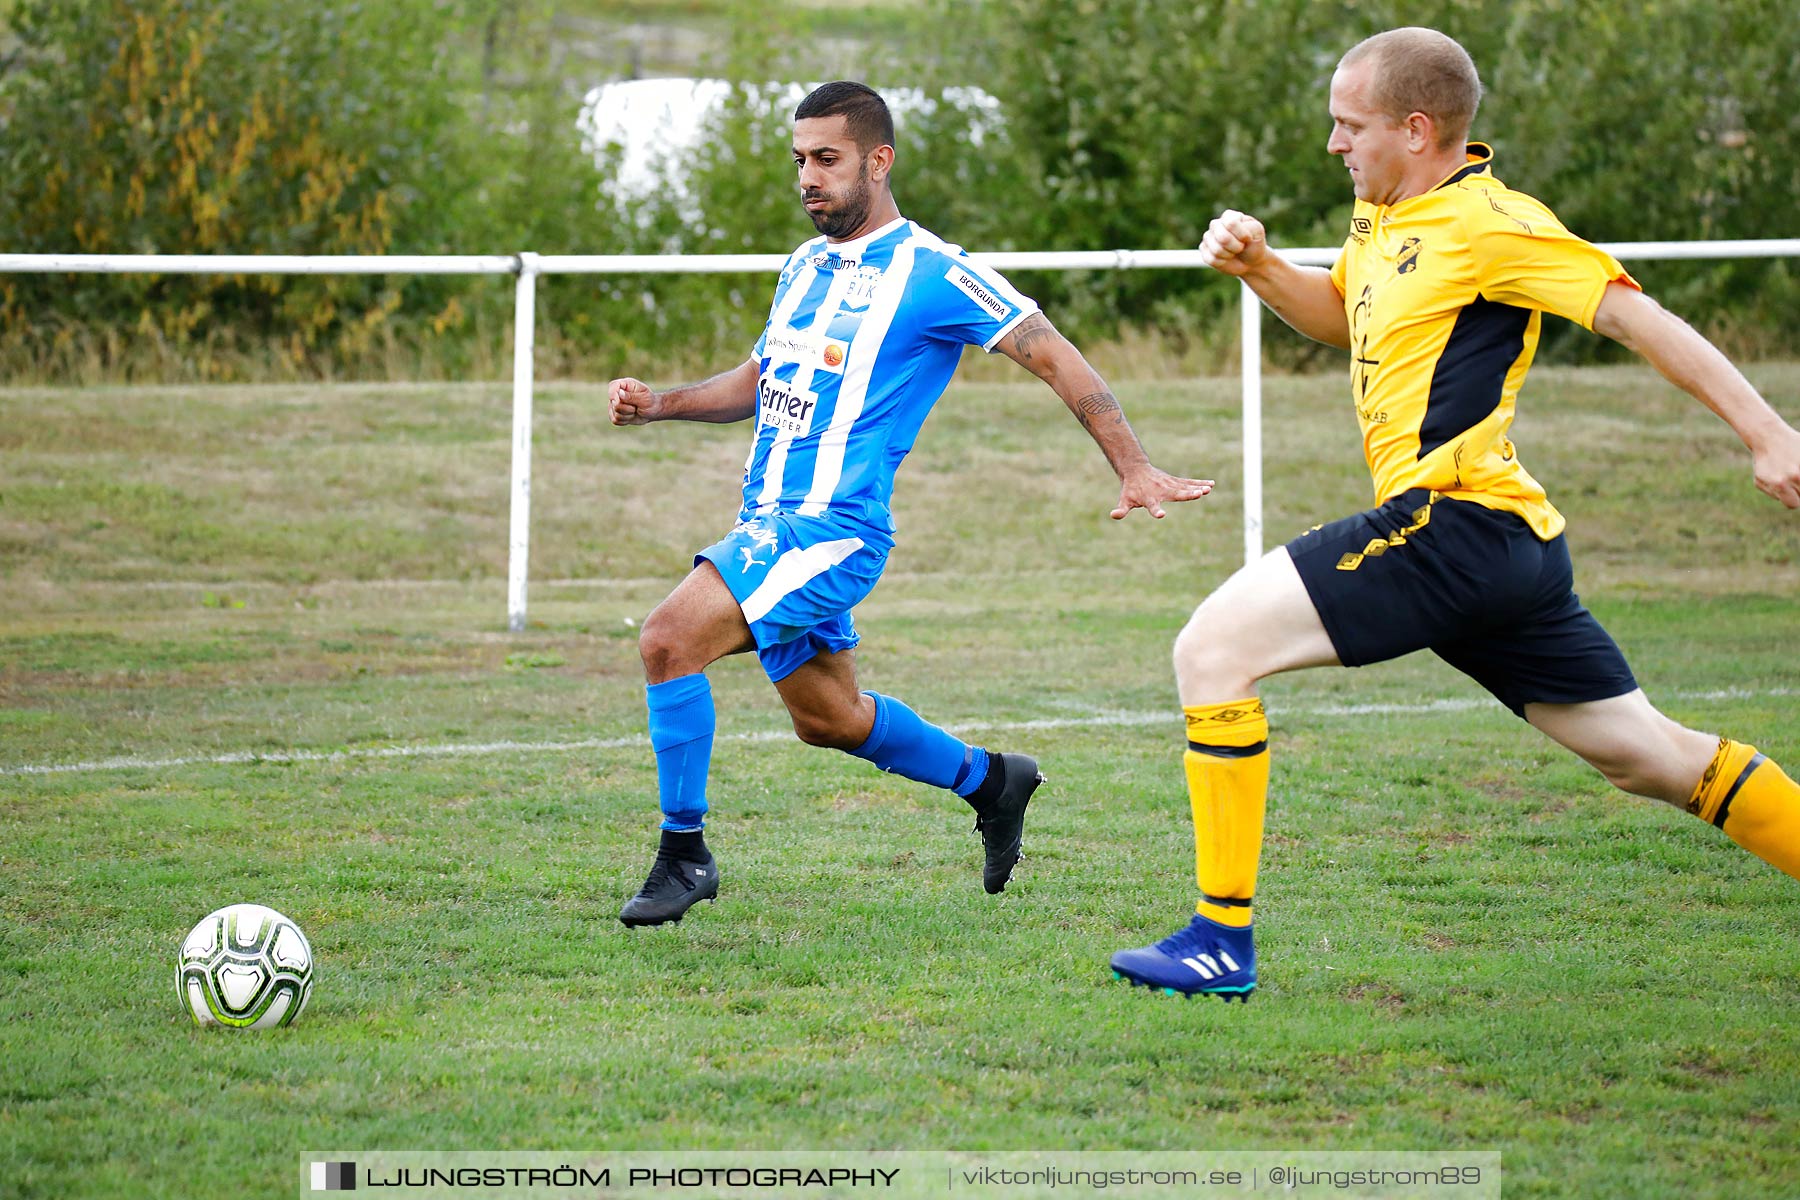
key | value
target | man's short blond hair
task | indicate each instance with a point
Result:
(1420, 70)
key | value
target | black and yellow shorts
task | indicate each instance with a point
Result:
(1473, 585)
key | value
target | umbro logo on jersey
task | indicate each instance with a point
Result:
(1210, 968)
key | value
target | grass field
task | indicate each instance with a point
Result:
(287, 605)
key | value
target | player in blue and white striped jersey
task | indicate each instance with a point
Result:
(868, 323)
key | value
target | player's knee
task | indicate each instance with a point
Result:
(660, 646)
(1202, 649)
(1190, 646)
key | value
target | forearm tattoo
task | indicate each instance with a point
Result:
(1092, 408)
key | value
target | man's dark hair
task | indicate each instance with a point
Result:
(865, 113)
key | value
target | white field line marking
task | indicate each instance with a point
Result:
(1113, 719)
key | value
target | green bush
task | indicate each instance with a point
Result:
(1140, 119)
(177, 126)
(182, 126)
(188, 127)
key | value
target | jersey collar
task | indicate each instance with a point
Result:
(855, 246)
(1480, 156)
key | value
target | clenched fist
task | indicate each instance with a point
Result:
(1235, 243)
(630, 402)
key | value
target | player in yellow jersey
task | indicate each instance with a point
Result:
(1438, 296)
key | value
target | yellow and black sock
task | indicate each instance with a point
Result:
(1227, 766)
(1754, 802)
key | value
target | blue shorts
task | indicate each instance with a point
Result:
(797, 578)
(1474, 585)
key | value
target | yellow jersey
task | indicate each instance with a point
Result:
(1445, 293)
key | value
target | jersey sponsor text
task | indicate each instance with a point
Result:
(783, 409)
(994, 304)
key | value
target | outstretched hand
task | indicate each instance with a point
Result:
(1778, 468)
(630, 402)
(1151, 487)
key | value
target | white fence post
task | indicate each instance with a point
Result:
(1250, 357)
(519, 549)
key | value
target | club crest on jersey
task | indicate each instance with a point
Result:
(1409, 256)
(859, 288)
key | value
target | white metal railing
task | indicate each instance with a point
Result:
(526, 267)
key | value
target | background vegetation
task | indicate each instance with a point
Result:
(448, 126)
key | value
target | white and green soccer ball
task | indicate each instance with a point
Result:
(245, 967)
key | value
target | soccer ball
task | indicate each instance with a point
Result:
(245, 967)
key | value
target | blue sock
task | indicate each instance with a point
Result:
(681, 734)
(904, 743)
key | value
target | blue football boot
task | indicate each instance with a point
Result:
(1204, 958)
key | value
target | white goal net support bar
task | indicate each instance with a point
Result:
(526, 267)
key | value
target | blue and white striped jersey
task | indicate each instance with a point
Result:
(862, 339)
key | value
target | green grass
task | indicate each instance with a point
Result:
(1467, 940)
